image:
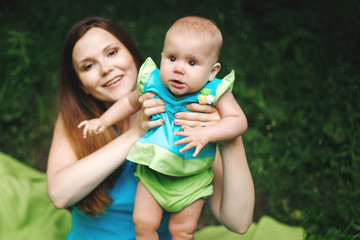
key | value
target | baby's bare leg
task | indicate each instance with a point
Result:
(147, 214)
(183, 224)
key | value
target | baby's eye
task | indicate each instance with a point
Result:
(172, 59)
(192, 63)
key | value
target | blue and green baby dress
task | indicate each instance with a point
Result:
(174, 179)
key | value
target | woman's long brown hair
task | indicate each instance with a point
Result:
(75, 106)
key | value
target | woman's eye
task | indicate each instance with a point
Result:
(192, 63)
(112, 53)
(173, 59)
(88, 67)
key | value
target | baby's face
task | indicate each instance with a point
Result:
(187, 63)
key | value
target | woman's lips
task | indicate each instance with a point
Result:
(113, 81)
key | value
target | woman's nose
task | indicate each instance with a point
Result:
(106, 67)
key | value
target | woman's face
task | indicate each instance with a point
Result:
(104, 65)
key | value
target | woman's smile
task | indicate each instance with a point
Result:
(113, 82)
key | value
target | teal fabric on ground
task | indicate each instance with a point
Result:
(25, 209)
(267, 228)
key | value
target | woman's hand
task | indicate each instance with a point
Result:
(201, 116)
(150, 107)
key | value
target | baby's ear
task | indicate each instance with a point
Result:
(215, 69)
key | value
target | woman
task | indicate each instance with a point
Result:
(99, 65)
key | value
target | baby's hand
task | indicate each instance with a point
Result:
(92, 127)
(195, 137)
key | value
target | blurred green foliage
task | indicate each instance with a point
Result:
(297, 72)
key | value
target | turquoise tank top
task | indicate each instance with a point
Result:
(117, 222)
(157, 149)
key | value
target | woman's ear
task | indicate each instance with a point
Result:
(215, 69)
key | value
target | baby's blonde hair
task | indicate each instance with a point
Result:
(198, 26)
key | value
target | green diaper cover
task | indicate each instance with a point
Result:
(175, 193)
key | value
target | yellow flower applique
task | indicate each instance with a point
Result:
(205, 97)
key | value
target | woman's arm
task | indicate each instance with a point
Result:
(69, 180)
(233, 199)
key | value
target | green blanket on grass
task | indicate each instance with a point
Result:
(26, 212)
(266, 229)
(25, 209)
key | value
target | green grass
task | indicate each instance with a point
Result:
(297, 81)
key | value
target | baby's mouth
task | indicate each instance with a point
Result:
(177, 83)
